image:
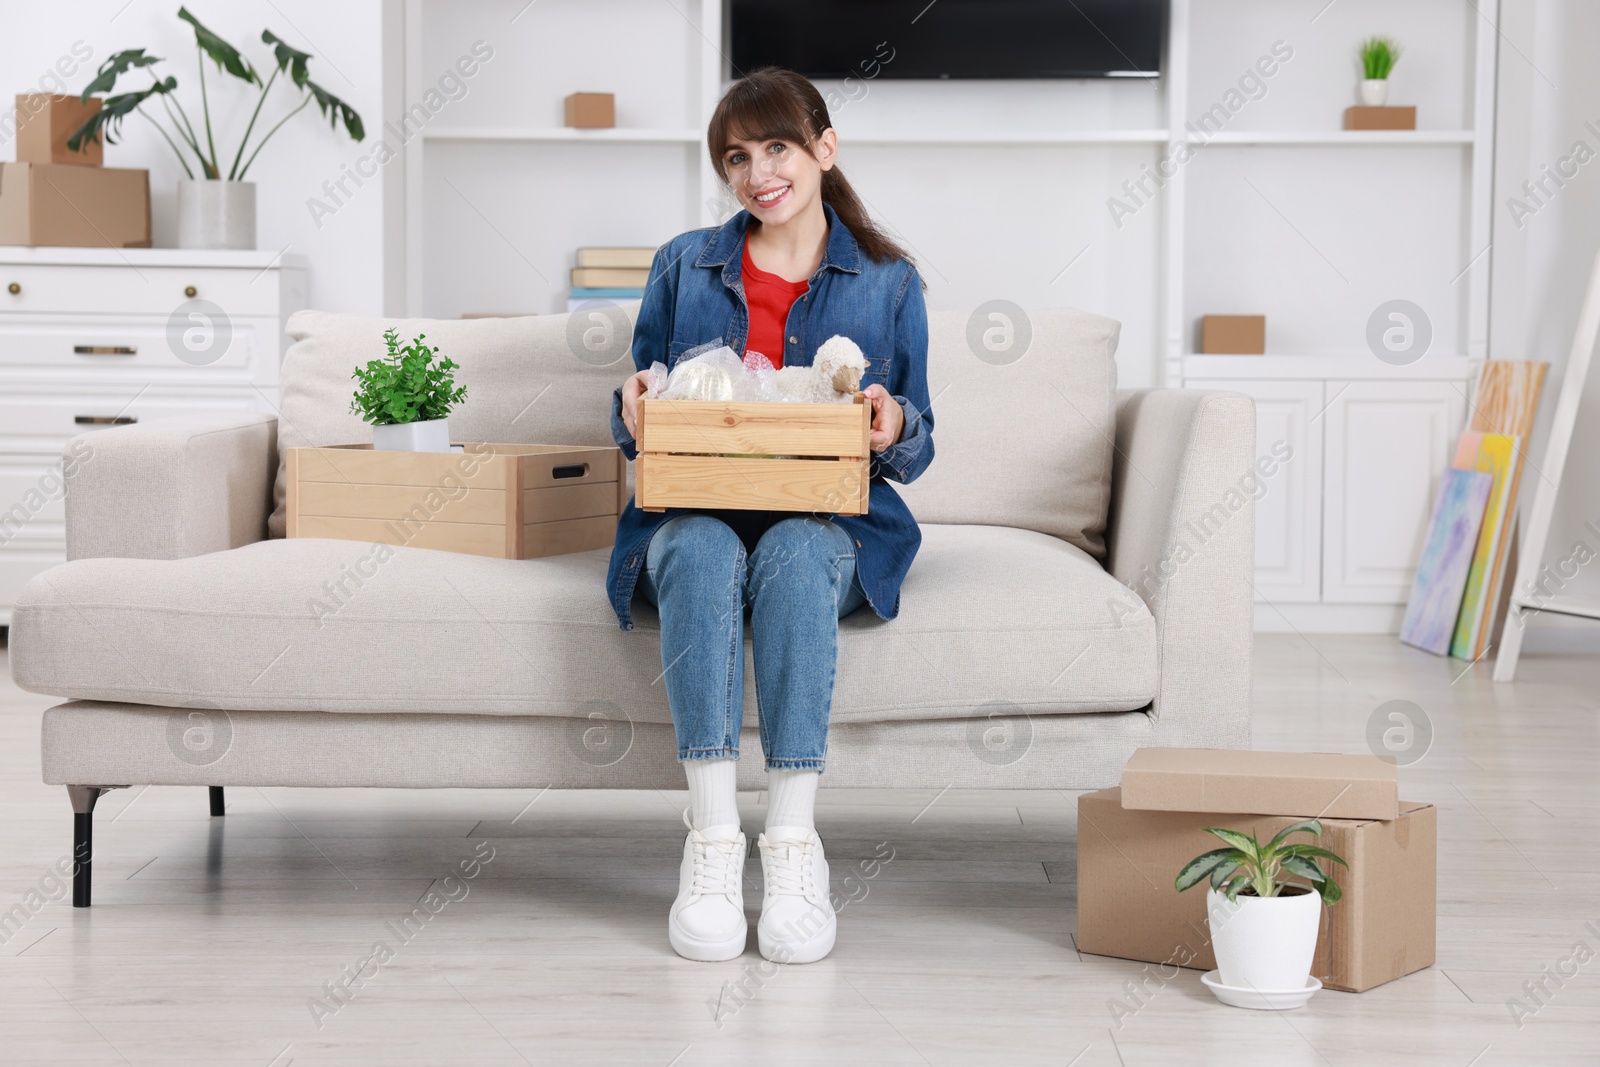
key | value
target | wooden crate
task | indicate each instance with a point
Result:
(719, 454)
(510, 501)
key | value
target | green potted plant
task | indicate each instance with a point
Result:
(1378, 57)
(1263, 926)
(215, 209)
(407, 396)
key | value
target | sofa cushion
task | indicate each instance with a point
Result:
(1023, 442)
(992, 620)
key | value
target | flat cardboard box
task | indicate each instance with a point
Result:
(1382, 929)
(591, 111)
(44, 123)
(506, 501)
(1380, 118)
(82, 207)
(1308, 785)
(1233, 335)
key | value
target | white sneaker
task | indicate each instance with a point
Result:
(707, 920)
(797, 924)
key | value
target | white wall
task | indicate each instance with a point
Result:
(347, 249)
(1549, 91)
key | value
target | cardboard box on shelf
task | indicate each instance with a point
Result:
(591, 111)
(83, 207)
(1304, 784)
(1233, 335)
(1382, 929)
(1380, 118)
(46, 120)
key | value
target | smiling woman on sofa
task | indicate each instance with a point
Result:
(801, 263)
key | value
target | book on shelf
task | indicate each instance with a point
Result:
(609, 277)
(635, 258)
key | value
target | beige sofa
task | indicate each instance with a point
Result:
(1083, 588)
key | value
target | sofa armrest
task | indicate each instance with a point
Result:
(1182, 536)
(170, 488)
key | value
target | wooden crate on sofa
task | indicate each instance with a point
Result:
(753, 456)
(510, 501)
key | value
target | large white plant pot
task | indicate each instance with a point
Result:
(433, 435)
(216, 214)
(1375, 92)
(1264, 943)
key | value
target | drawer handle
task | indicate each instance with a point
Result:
(190, 291)
(105, 420)
(104, 350)
(570, 470)
(14, 289)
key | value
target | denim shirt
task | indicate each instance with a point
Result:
(694, 295)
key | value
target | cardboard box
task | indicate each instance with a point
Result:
(46, 120)
(85, 207)
(591, 111)
(1233, 335)
(753, 456)
(1380, 118)
(508, 501)
(1382, 929)
(1308, 785)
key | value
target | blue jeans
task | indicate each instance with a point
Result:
(797, 582)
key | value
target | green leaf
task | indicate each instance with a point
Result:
(113, 68)
(221, 52)
(334, 109)
(1200, 866)
(1330, 891)
(1314, 851)
(1310, 826)
(1243, 842)
(1305, 869)
(1225, 871)
(107, 122)
(291, 59)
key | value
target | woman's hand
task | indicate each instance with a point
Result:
(632, 390)
(888, 418)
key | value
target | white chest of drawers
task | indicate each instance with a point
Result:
(93, 337)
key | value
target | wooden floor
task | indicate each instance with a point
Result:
(215, 941)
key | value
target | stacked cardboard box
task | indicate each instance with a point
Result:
(55, 196)
(1133, 840)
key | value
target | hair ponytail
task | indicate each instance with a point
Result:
(776, 103)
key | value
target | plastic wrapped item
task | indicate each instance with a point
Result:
(716, 372)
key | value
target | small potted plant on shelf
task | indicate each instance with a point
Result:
(407, 396)
(1378, 57)
(217, 209)
(1263, 926)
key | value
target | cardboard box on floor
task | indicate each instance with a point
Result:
(1382, 929)
(1305, 784)
(63, 204)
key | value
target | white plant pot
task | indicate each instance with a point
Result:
(1264, 944)
(431, 435)
(216, 214)
(1375, 92)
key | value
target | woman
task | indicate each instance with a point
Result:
(801, 262)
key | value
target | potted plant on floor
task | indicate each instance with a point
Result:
(1263, 926)
(214, 211)
(407, 396)
(1378, 57)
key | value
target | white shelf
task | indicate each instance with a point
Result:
(1335, 137)
(562, 133)
(1322, 368)
(1018, 137)
(254, 259)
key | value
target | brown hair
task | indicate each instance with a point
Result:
(781, 105)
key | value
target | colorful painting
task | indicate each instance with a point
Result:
(1430, 620)
(1496, 454)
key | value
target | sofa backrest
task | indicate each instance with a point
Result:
(1022, 442)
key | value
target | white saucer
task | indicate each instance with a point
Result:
(1258, 999)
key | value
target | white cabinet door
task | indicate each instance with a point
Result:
(1387, 446)
(1289, 508)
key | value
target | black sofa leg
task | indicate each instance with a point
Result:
(83, 799)
(216, 802)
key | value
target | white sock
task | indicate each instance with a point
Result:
(713, 792)
(792, 798)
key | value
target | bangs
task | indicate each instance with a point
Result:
(762, 107)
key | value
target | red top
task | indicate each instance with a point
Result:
(770, 298)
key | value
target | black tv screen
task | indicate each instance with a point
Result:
(949, 38)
